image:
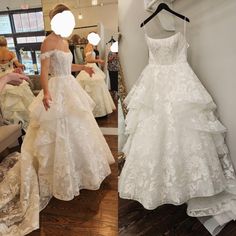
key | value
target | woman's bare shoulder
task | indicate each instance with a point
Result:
(48, 44)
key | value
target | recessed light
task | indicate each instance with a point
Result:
(94, 2)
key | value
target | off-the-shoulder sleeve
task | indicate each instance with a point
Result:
(46, 55)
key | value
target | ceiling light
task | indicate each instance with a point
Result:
(94, 2)
(80, 16)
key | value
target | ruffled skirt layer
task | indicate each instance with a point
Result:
(175, 152)
(63, 152)
(97, 89)
(15, 101)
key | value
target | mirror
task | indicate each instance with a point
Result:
(21, 35)
(100, 17)
(25, 25)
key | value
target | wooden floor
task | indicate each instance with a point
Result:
(97, 213)
(110, 120)
(166, 220)
(92, 213)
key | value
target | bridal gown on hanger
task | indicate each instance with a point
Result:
(63, 152)
(175, 151)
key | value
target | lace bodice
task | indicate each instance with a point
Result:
(167, 51)
(60, 62)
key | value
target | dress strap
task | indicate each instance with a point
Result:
(144, 30)
(185, 27)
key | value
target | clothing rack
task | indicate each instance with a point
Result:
(81, 27)
(85, 27)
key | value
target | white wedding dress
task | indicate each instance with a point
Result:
(175, 152)
(15, 100)
(63, 152)
(97, 89)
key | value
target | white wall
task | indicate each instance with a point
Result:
(212, 53)
(16, 4)
(107, 15)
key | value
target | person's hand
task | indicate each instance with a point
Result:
(89, 70)
(47, 99)
(18, 70)
(15, 78)
(101, 62)
(21, 66)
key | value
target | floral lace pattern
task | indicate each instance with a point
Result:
(175, 152)
(63, 152)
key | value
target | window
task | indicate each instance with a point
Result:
(27, 60)
(28, 22)
(5, 24)
(38, 63)
(10, 43)
(36, 39)
(24, 31)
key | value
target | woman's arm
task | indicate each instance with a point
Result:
(45, 63)
(90, 59)
(77, 67)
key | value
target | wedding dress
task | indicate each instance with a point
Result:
(15, 100)
(175, 152)
(97, 89)
(63, 152)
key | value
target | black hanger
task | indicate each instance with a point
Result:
(112, 40)
(160, 7)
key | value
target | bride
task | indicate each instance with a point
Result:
(64, 150)
(96, 86)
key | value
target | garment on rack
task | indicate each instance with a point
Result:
(175, 152)
(78, 52)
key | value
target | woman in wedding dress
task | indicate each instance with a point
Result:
(14, 100)
(63, 151)
(175, 151)
(96, 86)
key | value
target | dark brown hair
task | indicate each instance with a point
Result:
(58, 9)
(75, 38)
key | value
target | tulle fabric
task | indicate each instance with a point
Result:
(175, 152)
(15, 101)
(97, 89)
(63, 152)
(63, 133)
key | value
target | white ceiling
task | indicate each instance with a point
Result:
(16, 4)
